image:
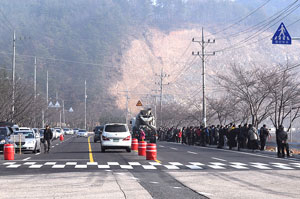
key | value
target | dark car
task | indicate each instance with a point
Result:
(4, 136)
(98, 132)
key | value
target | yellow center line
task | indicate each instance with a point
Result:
(90, 150)
(158, 161)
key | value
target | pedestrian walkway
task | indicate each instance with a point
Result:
(152, 165)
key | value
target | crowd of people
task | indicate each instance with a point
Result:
(246, 136)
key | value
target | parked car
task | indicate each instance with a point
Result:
(116, 136)
(76, 130)
(55, 133)
(97, 133)
(4, 136)
(59, 131)
(32, 141)
(82, 133)
(24, 129)
(42, 134)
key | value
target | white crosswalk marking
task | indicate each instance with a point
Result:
(155, 163)
(134, 163)
(35, 166)
(196, 163)
(92, 163)
(260, 165)
(216, 165)
(238, 165)
(171, 167)
(71, 163)
(126, 167)
(282, 166)
(113, 163)
(29, 163)
(175, 163)
(148, 167)
(192, 152)
(50, 163)
(80, 166)
(9, 163)
(193, 167)
(103, 166)
(296, 164)
(14, 166)
(58, 166)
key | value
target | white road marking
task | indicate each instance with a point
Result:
(82, 166)
(193, 167)
(161, 146)
(126, 167)
(134, 163)
(52, 146)
(58, 166)
(196, 163)
(37, 153)
(174, 148)
(71, 163)
(113, 163)
(206, 194)
(50, 163)
(192, 152)
(171, 167)
(155, 163)
(104, 167)
(92, 163)
(175, 163)
(219, 159)
(13, 166)
(177, 187)
(296, 164)
(154, 182)
(9, 163)
(238, 165)
(26, 159)
(56, 144)
(282, 166)
(259, 165)
(246, 153)
(216, 165)
(35, 166)
(149, 167)
(29, 163)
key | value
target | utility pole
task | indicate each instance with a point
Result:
(202, 55)
(47, 89)
(34, 92)
(85, 97)
(63, 106)
(161, 84)
(127, 104)
(13, 76)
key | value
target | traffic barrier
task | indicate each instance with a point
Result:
(134, 144)
(61, 138)
(142, 148)
(151, 152)
(9, 152)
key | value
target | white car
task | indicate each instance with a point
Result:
(82, 133)
(115, 136)
(24, 129)
(32, 141)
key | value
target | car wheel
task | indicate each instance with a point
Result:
(102, 149)
(128, 150)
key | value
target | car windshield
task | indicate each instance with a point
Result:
(82, 130)
(66, 129)
(28, 134)
(115, 128)
(3, 133)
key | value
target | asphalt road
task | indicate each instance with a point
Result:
(75, 168)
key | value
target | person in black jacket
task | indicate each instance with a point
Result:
(263, 135)
(48, 135)
(282, 137)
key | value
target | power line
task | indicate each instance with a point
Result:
(242, 19)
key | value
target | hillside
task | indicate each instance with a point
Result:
(120, 45)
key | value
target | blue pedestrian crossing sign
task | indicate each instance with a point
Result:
(282, 36)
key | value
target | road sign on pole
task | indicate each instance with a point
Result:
(139, 103)
(282, 36)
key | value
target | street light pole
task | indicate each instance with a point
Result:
(34, 112)
(85, 97)
(13, 75)
(47, 89)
